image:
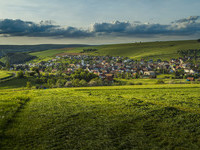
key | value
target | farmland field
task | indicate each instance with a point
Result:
(123, 117)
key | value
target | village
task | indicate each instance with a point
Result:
(110, 67)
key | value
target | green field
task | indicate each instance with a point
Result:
(148, 50)
(112, 118)
(155, 81)
(5, 74)
(48, 54)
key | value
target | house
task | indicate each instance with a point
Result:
(109, 77)
(193, 71)
(187, 70)
(149, 73)
(190, 79)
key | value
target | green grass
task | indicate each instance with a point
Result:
(163, 76)
(147, 50)
(154, 81)
(5, 74)
(124, 117)
(48, 54)
(13, 84)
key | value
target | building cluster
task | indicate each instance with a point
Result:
(108, 66)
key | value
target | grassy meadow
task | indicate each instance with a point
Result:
(155, 81)
(117, 117)
(5, 74)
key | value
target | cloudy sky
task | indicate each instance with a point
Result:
(97, 21)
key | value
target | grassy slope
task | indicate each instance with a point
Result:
(126, 117)
(4, 74)
(18, 58)
(13, 84)
(154, 81)
(149, 50)
(48, 54)
(155, 50)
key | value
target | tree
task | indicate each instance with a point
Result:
(28, 74)
(28, 85)
(7, 65)
(36, 69)
(136, 76)
(60, 82)
(51, 83)
(83, 83)
(20, 74)
(95, 82)
(76, 83)
(92, 83)
(82, 74)
(160, 81)
(68, 84)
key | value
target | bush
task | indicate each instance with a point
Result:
(96, 82)
(130, 83)
(160, 82)
(51, 82)
(83, 83)
(28, 85)
(68, 84)
(60, 82)
(92, 83)
(76, 83)
(20, 74)
(139, 83)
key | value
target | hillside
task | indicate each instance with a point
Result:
(33, 48)
(17, 58)
(148, 50)
(126, 117)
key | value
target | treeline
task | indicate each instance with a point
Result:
(80, 78)
(18, 58)
(34, 48)
(193, 53)
(88, 50)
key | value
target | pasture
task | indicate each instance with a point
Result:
(116, 117)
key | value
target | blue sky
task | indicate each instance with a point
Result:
(97, 22)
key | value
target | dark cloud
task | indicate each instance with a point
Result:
(111, 27)
(43, 29)
(182, 27)
(190, 19)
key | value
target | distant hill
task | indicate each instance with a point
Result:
(146, 50)
(18, 58)
(34, 48)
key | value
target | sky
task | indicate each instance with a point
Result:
(97, 21)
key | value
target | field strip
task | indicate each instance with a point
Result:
(8, 78)
(23, 102)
